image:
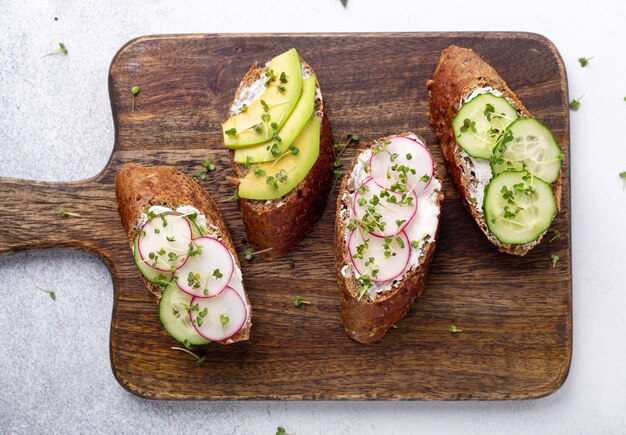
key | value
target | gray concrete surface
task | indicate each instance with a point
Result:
(55, 125)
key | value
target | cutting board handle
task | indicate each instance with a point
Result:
(31, 220)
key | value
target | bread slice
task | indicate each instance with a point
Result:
(459, 73)
(138, 188)
(366, 319)
(276, 226)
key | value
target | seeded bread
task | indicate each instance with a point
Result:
(461, 71)
(365, 319)
(138, 188)
(281, 223)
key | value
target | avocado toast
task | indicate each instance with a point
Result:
(185, 255)
(505, 164)
(388, 215)
(281, 146)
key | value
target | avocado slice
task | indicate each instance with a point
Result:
(254, 125)
(296, 122)
(272, 180)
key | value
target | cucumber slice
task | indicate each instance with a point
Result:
(479, 123)
(528, 145)
(150, 273)
(518, 207)
(174, 315)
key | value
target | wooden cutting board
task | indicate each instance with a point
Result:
(515, 313)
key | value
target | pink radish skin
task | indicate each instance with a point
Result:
(214, 256)
(228, 303)
(421, 161)
(390, 212)
(177, 227)
(389, 268)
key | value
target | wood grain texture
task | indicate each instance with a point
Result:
(515, 313)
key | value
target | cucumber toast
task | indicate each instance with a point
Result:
(184, 254)
(386, 228)
(281, 147)
(505, 164)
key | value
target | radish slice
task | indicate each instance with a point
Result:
(208, 272)
(396, 216)
(163, 241)
(382, 268)
(401, 148)
(218, 318)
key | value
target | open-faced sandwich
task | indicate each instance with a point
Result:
(505, 164)
(282, 152)
(185, 255)
(388, 214)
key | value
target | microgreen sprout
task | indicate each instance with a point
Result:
(250, 254)
(62, 50)
(224, 319)
(134, 90)
(557, 234)
(623, 175)
(554, 258)
(207, 166)
(575, 103)
(199, 358)
(51, 293)
(453, 329)
(299, 301)
(65, 214)
(337, 163)
(584, 61)
(233, 197)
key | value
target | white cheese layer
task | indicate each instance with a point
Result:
(422, 227)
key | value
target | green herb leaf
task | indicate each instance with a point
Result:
(62, 48)
(266, 107)
(232, 132)
(557, 234)
(554, 259)
(453, 329)
(134, 90)
(249, 254)
(281, 430)
(224, 320)
(299, 301)
(65, 214)
(575, 103)
(234, 197)
(208, 165)
(623, 177)
(199, 358)
(584, 61)
(51, 293)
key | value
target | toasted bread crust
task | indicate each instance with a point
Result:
(280, 224)
(460, 71)
(138, 188)
(366, 320)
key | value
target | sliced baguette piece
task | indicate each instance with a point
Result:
(138, 188)
(366, 319)
(276, 226)
(459, 73)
